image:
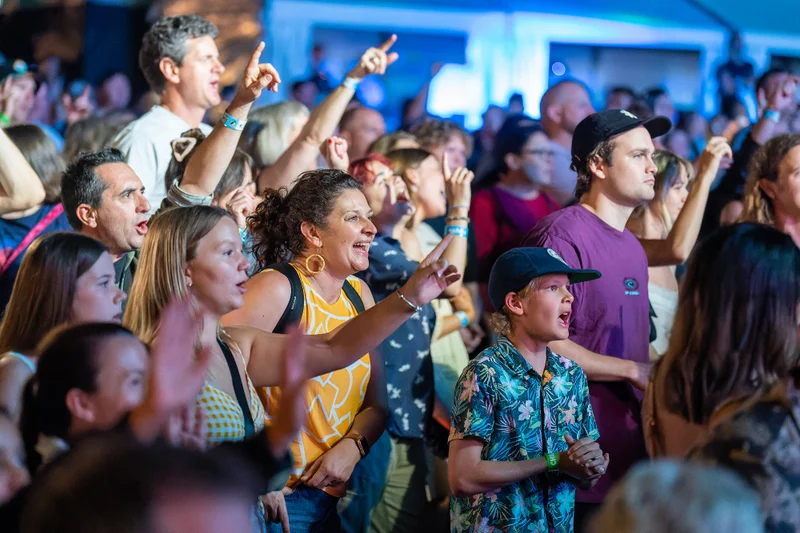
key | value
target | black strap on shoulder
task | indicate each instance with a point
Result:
(353, 296)
(294, 309)
(238, 389)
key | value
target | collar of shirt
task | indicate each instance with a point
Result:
(508, 354)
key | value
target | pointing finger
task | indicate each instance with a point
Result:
(389, 43)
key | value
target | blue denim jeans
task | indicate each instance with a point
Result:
(310, 511)
(365, 487)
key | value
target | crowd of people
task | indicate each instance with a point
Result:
(292, 320)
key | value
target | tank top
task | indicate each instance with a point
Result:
(224, 418)
(333, 399)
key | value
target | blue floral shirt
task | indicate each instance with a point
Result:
(518, 414)
(407, 351)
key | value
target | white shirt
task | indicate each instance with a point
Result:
(145, 143)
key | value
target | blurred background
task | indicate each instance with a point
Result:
(468, 54)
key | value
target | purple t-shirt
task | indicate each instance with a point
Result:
(610, 316)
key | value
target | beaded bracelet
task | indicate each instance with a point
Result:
(465, 219)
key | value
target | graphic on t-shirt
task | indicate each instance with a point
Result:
(631, 287)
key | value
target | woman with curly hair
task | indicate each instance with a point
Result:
(311, 241)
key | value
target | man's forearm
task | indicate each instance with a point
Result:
(597, 367)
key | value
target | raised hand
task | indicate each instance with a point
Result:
(709, 161)
(186, 428)
(334, 150)
(257, 77)
(241, 205)
(375, 60)
(292, 413)
(458, 184)
(177, 372)
(432, 277)
(784, 94)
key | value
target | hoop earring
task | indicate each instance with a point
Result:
(315, 272)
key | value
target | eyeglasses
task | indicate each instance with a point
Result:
(538, 153)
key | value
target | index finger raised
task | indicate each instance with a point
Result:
(256, 56)
(437, 252)
(388, 43)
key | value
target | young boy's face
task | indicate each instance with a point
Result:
(547, 309)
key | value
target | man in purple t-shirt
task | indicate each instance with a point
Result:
(609, 330)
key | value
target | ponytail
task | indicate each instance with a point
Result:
(275, 225)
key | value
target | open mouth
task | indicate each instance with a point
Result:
(362, 247)
(118, 318)
(563, 319)
(241, 287)
(141, 227)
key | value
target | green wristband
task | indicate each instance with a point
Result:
(5, 120)
(552, 461)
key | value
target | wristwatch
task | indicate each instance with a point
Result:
(361, 442)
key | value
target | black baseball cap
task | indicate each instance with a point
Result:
(601, 126)
(515, 269)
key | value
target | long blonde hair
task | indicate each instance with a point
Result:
(170, 244)
(758, 207)
(268, 136)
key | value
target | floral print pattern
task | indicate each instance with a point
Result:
(501, 400)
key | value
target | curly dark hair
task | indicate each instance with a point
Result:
(167, 38)
(275, 225)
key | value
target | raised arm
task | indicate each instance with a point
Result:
(213, 156)
(355, 337)
(458, 185)
(303, 152)
(675, 249)
(20, 187)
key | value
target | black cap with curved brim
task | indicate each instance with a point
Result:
(602, 126)
(516, 268)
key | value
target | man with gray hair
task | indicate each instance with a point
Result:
(181, 63)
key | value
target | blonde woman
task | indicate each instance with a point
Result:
(197, 251)
(772, 194)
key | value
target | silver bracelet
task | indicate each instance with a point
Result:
(416, 308)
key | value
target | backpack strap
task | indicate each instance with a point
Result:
(353, 296)
(34, 232)
(294, 309)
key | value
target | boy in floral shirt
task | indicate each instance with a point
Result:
(523, 434)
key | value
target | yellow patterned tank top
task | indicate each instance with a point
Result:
(333, 399)
(224, 417)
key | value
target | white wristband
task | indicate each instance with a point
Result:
(350, 83)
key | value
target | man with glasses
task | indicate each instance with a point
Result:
(508, 210)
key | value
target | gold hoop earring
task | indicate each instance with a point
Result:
(315, 272)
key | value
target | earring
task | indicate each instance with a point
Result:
(315, 272)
